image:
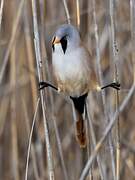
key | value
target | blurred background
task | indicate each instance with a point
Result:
(19, 90)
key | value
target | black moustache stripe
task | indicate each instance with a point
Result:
(53, 44)
(53, 47)
(63, 42)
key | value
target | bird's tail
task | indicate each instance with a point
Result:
(80, 131)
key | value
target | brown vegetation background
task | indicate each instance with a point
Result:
(19, 90)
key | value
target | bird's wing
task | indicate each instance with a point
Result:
(90, 65)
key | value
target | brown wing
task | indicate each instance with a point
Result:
(90, 65)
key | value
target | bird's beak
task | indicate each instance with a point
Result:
(55, 40)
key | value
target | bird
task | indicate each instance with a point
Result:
(74, 72)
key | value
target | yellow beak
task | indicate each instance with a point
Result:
(55, 40)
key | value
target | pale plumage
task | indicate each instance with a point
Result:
(71, 72)
(73, 69)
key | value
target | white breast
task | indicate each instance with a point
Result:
(71, 71)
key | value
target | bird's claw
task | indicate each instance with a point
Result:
(44, 84)
(115, 85)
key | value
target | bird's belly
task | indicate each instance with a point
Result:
(71, 74)
(72, 81)
(74, 89)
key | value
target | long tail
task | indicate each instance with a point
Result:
(79, 104)
(80, 131)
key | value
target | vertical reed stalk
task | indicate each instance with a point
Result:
(30, 142)
(14, 140)
(132, 25)
(40, 73)
(115, 59)
(67, 11)
(78, 13)
(1, 11)
(93, 144)
(107, 119)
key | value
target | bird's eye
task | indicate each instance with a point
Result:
(64, 38)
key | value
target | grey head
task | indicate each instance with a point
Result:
(68, 36)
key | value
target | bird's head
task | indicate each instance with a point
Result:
(67, 36)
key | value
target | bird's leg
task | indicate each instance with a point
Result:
(44, 84)
(115, 85)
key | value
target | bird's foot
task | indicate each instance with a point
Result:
(44, 84)
(115, 85)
